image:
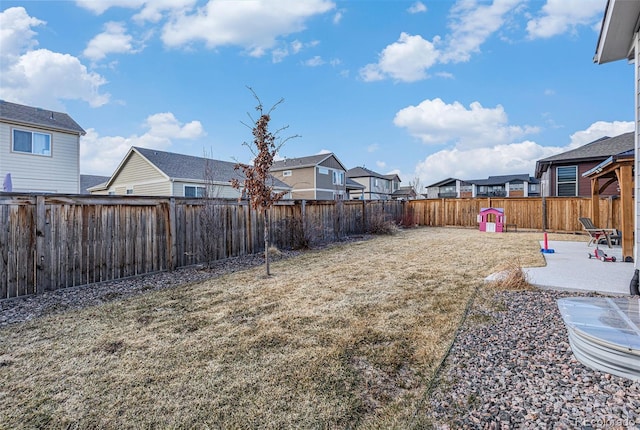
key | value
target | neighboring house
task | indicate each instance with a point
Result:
(619, 39)
(354, 189)
(376, 186)
(40, 148)
(521, 185)
(404, 193)
(148, 172)
(562, 174)
(316, 177)
(90, 181)
(448, 188)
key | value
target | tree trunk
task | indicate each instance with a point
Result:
(266, 240)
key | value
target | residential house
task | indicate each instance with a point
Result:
(619, 40)
(90, 181)
(376, 186)
(40, 148)
(520, 185)
(562, 174)
(404, 193)
(449, 188)
(315, 177)
(149, 172)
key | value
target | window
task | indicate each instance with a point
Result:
(516, 186)
(323, 170)
(286, 173)
(338, 177)
(193, 191)
(129, 191)
(31, 142)
(534, 188)
(567, 181)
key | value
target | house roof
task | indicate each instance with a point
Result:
(302, 162)
(626, 155)
(34, 116)
(353, 185)
(503, 179)
(443, 182)
(404, 192)
(392, 177)
(90, 181)
(363, 172)
(599, 149)
(190, 168)
(616, 33)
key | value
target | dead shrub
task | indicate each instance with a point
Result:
(512, 278)
(381, 223)
(408, 218)
(275, 253)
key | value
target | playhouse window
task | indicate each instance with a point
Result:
(567, 181)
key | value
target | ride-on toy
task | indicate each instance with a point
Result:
(600, 255)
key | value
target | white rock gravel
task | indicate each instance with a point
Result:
(513, 368)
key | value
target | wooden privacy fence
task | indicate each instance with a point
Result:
(49, 242)
(55, 241)
(556, 214)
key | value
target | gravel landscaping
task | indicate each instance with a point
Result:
(511, 366)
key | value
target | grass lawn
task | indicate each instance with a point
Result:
(347, 336)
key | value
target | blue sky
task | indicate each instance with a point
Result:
(425, 89)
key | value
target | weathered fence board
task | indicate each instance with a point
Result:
(55, 241)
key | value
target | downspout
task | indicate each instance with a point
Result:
(633, 286)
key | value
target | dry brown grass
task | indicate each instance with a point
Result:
(348, 336)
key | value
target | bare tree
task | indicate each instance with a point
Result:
(258, 183)
(417, 186)
(211, 228)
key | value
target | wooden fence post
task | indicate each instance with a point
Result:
(42, 272)
(364, 216)
(171, 235)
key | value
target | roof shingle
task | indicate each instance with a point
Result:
(35, 116)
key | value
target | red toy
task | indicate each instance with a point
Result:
(600, 255)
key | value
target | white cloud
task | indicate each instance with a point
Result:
(373, 147)
(114, 39)
(150, 10)
(338, 17)
(412, 56)
(406, 60)
(560, 16)
(99, 7)
(295, 47)
(417, 7)
(314, 62)
(471, 26)
(509, 158)
(16, 35)
(479, 163)
(324, 151)
(254, 25)
(41, 77)
(600, 129)
(153, 10)
(381, 164)
(436, 122)
(100, 155)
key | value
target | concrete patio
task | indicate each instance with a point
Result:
(570, 268)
